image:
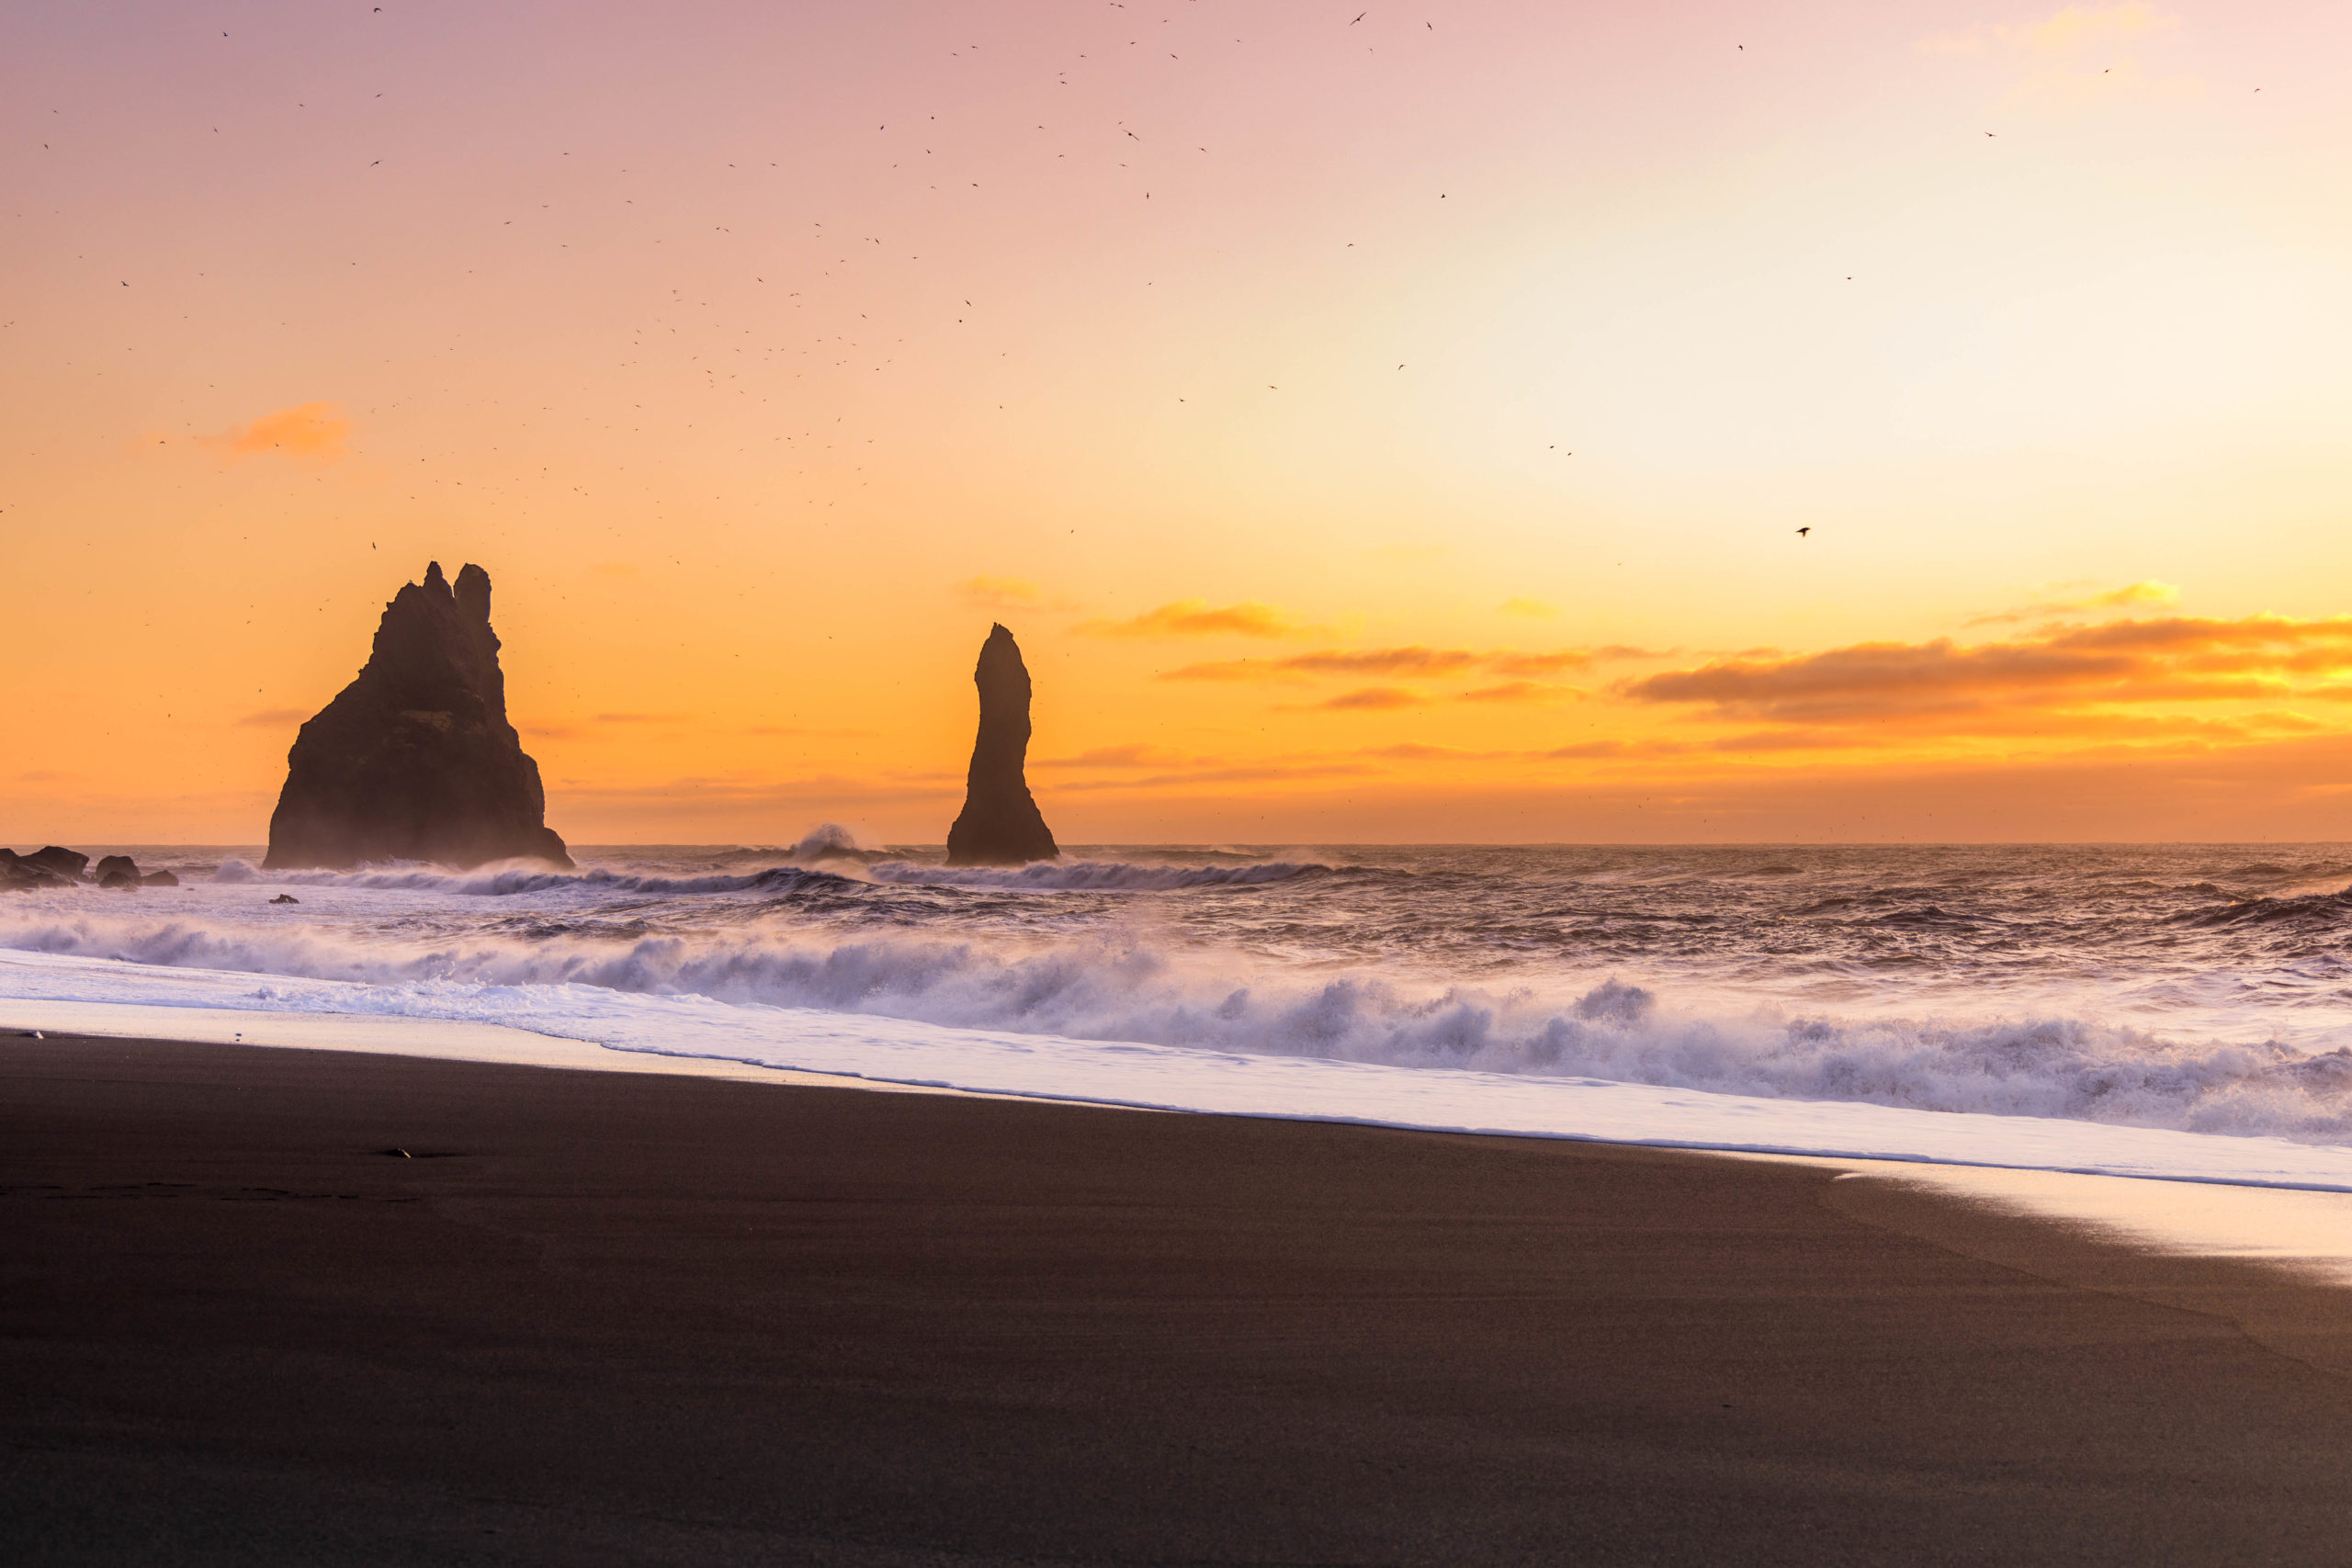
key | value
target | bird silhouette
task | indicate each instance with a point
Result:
(1802, 532)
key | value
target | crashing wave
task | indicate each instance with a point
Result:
(1125, 988)
(527, 878)
(1096, 876)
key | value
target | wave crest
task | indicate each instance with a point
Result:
(531, 877)
(1114, 989)
(1092, 876)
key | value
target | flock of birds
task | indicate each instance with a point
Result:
(841, 350)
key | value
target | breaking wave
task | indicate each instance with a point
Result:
(1124, 988)
(534, 878)
(1093, 876)
(846, 865)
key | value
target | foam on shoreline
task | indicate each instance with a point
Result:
(524, 1023)
(2252, 1197)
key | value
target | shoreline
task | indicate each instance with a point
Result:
(607, 1317)
(2304, 1225)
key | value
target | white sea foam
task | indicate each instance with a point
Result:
(505, 881)
(2078, 990)
(36, 986)
(1094, 876)
(1129, 989)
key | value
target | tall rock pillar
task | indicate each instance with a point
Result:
(1000, 824)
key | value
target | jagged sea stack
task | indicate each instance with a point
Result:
(415, 759)
(1000, 824)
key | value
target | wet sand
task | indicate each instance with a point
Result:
(605, 1318)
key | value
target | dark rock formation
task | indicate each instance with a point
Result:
(59, 863)
(21, 873)
(158, 879)
(415, 759)
(1000, 824)
(118, 871)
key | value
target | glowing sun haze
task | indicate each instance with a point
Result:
(1395, 429)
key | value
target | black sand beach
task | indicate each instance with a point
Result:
(606, 1319)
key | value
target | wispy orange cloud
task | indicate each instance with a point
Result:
(2147, 591)
(1611, 750)
(307, 431)
(1197, 617)
(1521, 692)
(1420, 751)
(1274, 771)
(2132, 595)
(1412, 662)
(1134, 755)
(1373, 699)
(803, 732)
(1508, 663)
(2064, 681)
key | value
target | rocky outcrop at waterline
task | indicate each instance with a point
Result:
(1000, 824)
(58, 867)
(50, 867)
(57, 862)
(414, 760)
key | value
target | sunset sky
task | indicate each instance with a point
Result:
(1391, 429)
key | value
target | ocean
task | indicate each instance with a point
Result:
(2169, 1010)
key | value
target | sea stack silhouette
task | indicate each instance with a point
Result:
(415, 759)
(1000, 824)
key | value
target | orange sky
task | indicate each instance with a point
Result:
(1393, 430)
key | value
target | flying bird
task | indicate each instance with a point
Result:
(1360, 16)
(1802, 532)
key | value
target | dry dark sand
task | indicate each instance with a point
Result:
(628, 1319)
